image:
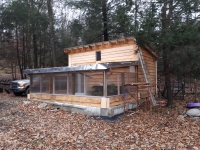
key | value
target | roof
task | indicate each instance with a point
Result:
(108, 44)
(101, 45)
(151, 51)
(92, 67)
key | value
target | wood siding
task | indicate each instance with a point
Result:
(83, 100)
(152, 73)
(112, 54)
(118, 99)
(69, 99)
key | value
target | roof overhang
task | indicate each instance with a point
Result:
(92, 67)
(151, 51)
(100, 45)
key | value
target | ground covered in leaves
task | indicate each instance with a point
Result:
(25, 126)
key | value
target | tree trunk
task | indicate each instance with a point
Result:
(165, 18)
(24, 52)
(105, 20)
(167, 78)
(135, 19)
(35, 51)
(52, 33)
(18, 57)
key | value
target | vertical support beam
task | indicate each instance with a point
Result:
(69, 60)
(136, 81)
(123, 81)
(105, 83)
(52, 84)
(67, 84)
(118, 84)
(73, 84)
(40, 83)
(84, 83)
(136, 73)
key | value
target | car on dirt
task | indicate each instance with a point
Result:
(20, 87)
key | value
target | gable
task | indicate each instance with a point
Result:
(110, 51)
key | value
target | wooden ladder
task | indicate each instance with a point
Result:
(146, 76)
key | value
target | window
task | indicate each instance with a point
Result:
(98, 56)
(79, 81)
(35, 83)
(60, 84)
(45, 83)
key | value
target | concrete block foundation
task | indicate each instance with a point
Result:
(92, 111)
(96, 111)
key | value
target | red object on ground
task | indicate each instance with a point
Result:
(162, 103)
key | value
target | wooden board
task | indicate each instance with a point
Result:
(151, 69)
(118, 100)
(108, 54)
(100, 46)
(70, 99)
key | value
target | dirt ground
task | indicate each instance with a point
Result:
(25, 126)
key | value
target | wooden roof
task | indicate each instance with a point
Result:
(101, 45)
(107, 44)
(151, 51)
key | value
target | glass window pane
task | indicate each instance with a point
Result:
(71, 87)
(94, 83)
(79, 83)
(98, 56)
(112, 83)
(35, 86)
(60, 82)
(45, 84)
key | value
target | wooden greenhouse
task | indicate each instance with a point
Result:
(98, 77)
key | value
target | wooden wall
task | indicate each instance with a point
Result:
(69, 99)
(151, 65)
(118, 99)
(84, 100)
(110, 54)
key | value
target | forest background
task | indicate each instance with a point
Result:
(33, 33)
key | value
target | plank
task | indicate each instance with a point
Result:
(121, 102)
(67, 98)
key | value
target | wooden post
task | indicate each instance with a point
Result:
(118, 84)
(123, 88)
(51, 84)
(150, 97)
(104, 84)
(123, 82)
(67, 84)
(73, 84)
(40, 83)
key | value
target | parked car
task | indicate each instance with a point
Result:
(19, 87)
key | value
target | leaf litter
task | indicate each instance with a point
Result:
(25, 126)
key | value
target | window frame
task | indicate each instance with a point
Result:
(98, 55)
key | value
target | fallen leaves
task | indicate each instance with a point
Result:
(25, 126)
